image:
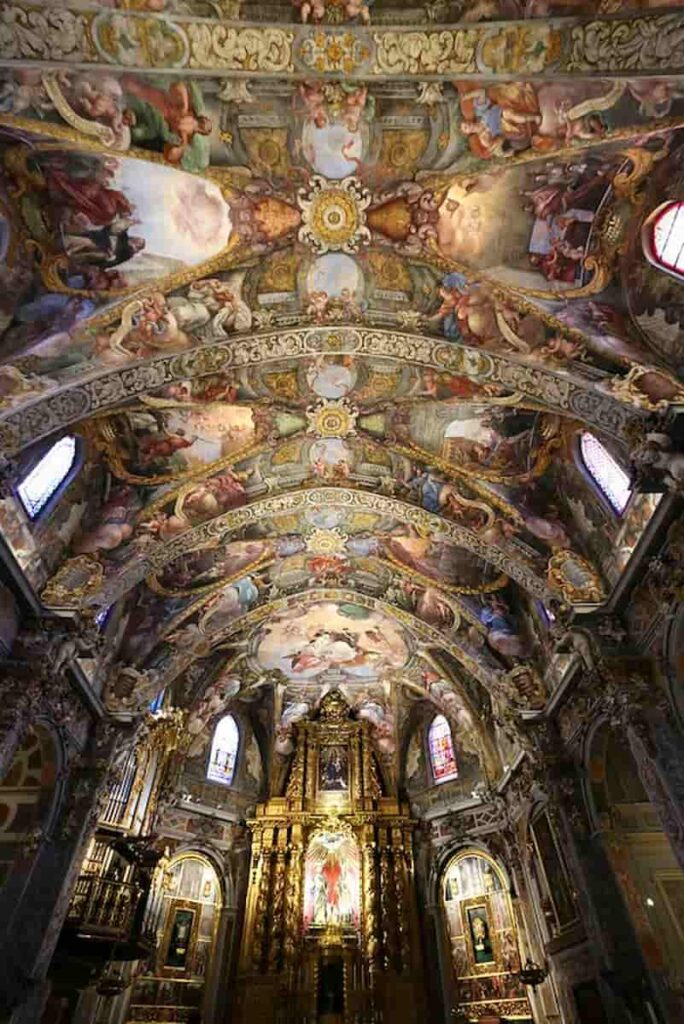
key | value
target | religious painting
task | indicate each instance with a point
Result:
(549, 213)
(333, 291)
(332, 377)
(435, 558)
(482, 937)
(332, 882)
(103, 225)
(451, 886)
(164, 438)
(478, 929)
(342, 638)
(333, 769)
(180, 939)
(198, 569)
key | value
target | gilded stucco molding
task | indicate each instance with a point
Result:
(143, 40)
(215, 530)
(105, 390)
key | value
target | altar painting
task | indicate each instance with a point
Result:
(333, 769)
(482, 937)
(332, 882)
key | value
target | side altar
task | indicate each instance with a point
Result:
(331, 930)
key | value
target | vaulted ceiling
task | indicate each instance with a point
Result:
(330, 312)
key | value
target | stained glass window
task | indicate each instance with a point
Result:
(667, 237)
(224, 748)
(48, 474)
(547, 614)
(102, 616)
(608, 475)
(442, 759)
(156, 704)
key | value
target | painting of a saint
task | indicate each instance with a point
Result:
(179, 940)
(478, 921)
(333, 770)
(332, 885)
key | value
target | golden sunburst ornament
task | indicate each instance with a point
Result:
(334, 215)
(333, 418)
(326, 542)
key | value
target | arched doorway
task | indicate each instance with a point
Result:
(645, 867)
(184, 906)
(482, 939)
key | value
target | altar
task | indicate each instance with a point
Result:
(331, 932)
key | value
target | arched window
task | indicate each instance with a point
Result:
(663, 238)
(49, 474)
(442, 759)
(224, 748)
(610, 479)
(158, 702)
(546, 613)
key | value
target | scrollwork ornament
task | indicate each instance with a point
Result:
(51, 34)
(221, 47)
(334, 214)
(106, 388)
(575, 578)
(451, 52)
(628, 45)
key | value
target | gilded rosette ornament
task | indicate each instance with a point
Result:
(326, 542)
(334, 215)
(334, 417)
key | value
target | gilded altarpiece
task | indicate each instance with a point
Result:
(481, 931)
(331, 931)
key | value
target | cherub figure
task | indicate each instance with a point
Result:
(317, 307)
(350, 10)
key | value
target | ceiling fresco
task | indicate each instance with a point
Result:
(328, 297)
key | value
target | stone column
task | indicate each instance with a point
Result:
(543, 1000)
(623, 978)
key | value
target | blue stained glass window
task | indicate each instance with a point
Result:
(156, 704)
(102, 616)
(224, 748)
(608, 475)
(442, 759)
(47, 476)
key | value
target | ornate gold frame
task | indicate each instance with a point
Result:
(591, 591)
(175, 905)
(472, 903)
(184, 903)
(329, 799)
